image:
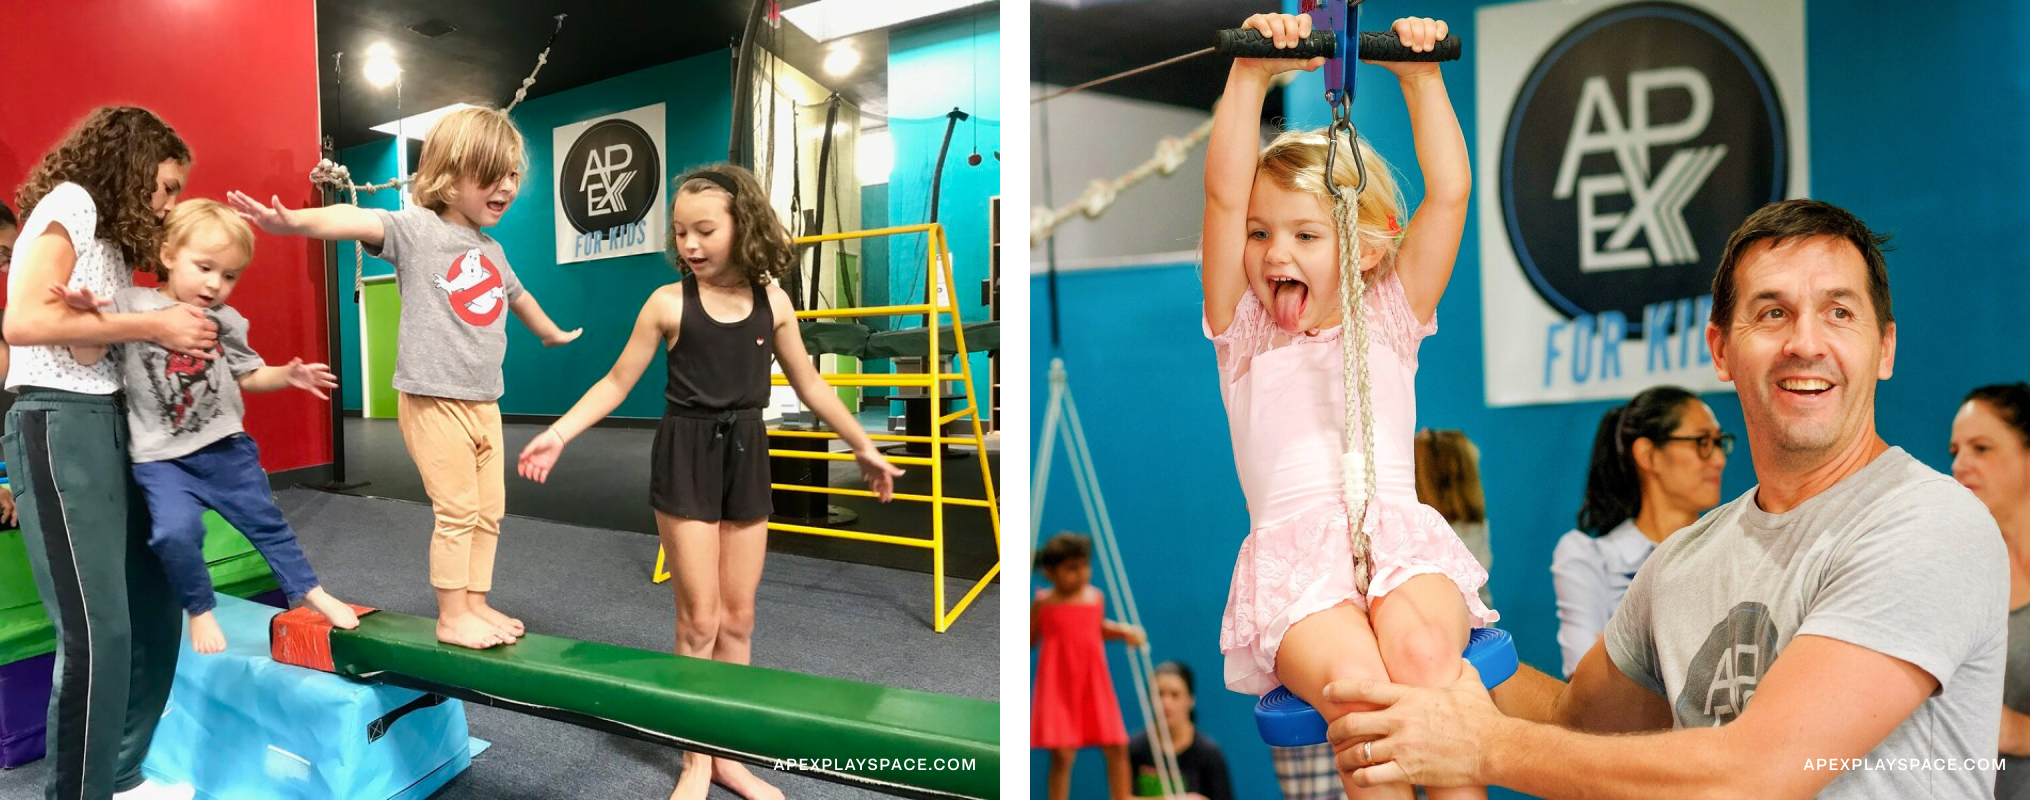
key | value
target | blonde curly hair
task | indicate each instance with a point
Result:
(195, 217)
(1296, 161)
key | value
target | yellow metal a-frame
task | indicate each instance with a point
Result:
(937, 303)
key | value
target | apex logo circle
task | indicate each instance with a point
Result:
(609, 177)
(1640, 139)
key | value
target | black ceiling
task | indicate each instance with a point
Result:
(495, 42)
(1069, 46)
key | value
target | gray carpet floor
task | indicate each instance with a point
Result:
(814, 616)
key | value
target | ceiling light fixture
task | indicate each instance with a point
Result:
(381, 69)
(842, 59)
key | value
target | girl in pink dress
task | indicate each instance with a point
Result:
(1072, 704)
(1311, 602)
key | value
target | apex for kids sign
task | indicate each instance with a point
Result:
(1621, 143)
(610, 198)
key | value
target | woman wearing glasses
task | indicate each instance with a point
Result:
(1656, 466)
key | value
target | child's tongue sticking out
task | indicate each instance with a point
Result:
(1291, 297)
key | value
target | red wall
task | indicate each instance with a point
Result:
(238, 80)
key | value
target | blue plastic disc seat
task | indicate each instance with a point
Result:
(1287, 721)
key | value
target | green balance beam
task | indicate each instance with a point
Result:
(896, 741)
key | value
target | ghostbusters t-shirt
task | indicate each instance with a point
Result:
(456, 286)
(179, 404)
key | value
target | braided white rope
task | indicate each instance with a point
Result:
(338, 177)
(1356, 463)
(1171, 153)
(541, 59)
(523, 92)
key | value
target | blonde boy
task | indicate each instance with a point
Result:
(455, 283)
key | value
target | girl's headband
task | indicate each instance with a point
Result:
(717, 179)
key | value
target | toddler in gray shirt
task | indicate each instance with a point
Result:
(189, 448)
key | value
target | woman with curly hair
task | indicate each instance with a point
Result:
(709, 466)
(92, 213)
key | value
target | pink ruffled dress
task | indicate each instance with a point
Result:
(1284, 406)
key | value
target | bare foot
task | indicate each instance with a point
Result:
(734, 775)
(469, 631)
(695, 782)
(340, 614)
(506, 624)
(205, 636)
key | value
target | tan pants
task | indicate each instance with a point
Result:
(457, 447)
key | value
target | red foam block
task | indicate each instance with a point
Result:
(302, 637)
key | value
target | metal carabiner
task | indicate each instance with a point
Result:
(1342, 121)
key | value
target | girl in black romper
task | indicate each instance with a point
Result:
(720, 326)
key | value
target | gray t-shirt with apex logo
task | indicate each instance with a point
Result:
(178, 404)
(1897, 558)
(456, 286)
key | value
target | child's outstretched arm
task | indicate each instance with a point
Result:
(312, 378)
(796, 363)
(1122, 631)
(531, 314)
(542, 453)
(340, 221)
(1431, 244)
(1230, 159)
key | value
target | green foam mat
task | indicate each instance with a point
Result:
(25, 629)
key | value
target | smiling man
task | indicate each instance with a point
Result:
(1837, 631)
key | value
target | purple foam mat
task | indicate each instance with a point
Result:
(24, 700)
(24, 709)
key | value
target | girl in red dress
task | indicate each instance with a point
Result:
(1072, 704)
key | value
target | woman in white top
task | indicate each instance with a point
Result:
(1656, 467)
(91, 214)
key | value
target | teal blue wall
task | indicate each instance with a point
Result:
(1888, 142)
(931, 70)
(601, 296)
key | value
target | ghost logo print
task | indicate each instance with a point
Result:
(1725, 673)
(474, 289)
